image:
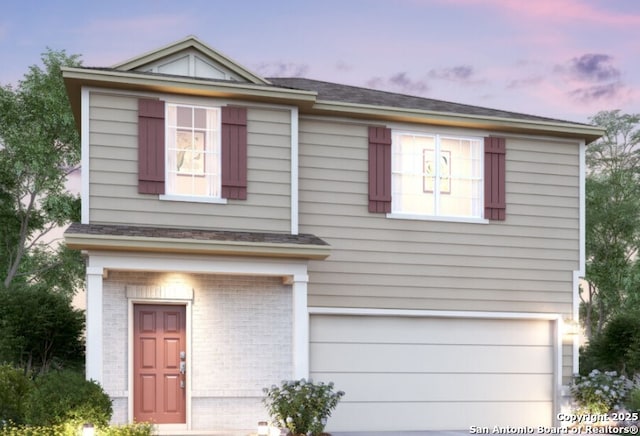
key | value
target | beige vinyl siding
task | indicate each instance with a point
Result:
(524, 264)
(114, 197)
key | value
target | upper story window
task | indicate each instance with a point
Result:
(437, 175)
(193, 151)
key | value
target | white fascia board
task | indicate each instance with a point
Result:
(196, 263)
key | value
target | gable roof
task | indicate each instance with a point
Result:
(310, 96)
(327, 91)
(190, 42)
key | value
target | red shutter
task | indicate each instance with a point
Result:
(379, 169)
(494, 179)
(234, 153)
(150, 146)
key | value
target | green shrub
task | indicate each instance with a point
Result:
(14, 388)
(138, 429)
(600, 392)
(40, 330)
(300, 406)
(61, 396)
(617, 348)
(73, 428)
(65, 429)
(633, 400)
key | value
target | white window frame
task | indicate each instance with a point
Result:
(218, 129)
(397, 214)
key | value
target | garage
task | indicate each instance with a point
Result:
(435, 373)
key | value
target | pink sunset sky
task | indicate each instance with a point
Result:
(566, 59)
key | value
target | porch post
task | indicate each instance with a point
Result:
(94, 324)
(300, 327)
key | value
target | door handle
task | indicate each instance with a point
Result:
(183, 367)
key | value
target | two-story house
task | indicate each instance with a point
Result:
(239, 231)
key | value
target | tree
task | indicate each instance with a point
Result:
(39, 330)
(39, 148)
(612, 220)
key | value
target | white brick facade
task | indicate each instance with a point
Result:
(240, 341)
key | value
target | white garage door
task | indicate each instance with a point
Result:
(404, 373)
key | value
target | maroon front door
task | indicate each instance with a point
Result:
(159, 363)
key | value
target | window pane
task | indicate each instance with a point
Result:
(193, 151)
(185, 116)
(461, 197)
(412, 179)
(436, 175)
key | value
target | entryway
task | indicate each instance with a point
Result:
(159, 363)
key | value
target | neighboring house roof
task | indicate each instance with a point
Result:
(162, 239)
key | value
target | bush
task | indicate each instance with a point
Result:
(617, 348)
(62, 396)
(138, 429)
(72, 428)
(300, 406)
(600, 392)
(14, 388)
(66, 429)
(633, 400)
(40, 330)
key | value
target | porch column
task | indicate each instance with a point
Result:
(94, 324)
(300, 327)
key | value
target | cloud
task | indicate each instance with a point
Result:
(460, 73)
(597, 93)
(525, 83)
(399, 82)
(282, 69)
(342, 66)
(594, 67)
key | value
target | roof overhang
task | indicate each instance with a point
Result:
(77, 78)
(82, 237)
(498, 124)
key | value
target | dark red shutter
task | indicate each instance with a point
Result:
(150, 146)
(494, 179)
(234, 153)
(379, 169)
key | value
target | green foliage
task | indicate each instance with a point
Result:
(40, 330)
(39, 148)
(612, 221)
(14, 389)
(138, 429)
(600, 392)
(64, 429)
(73, 428)
(617, 348)
(633, 400)
(300, 406)
(62, 396)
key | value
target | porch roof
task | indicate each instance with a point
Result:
(179, 240)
